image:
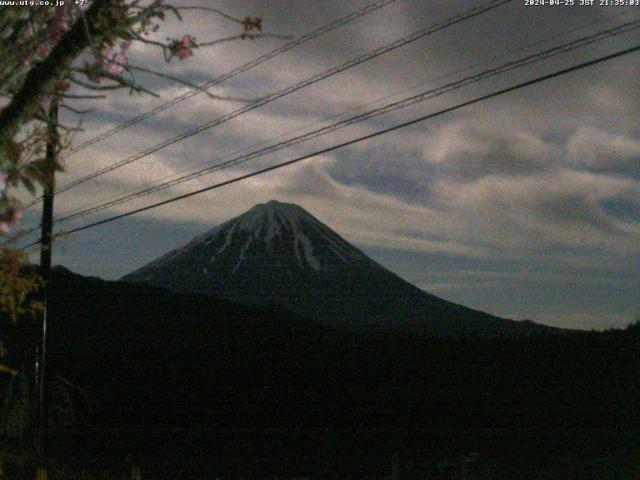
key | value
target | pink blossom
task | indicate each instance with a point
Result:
(116, 63)
(10, 217)
(120, 59)
(112, 62)
(63, 85)
(183, 52)
(106, 54)
(43, 49)
(45, 103)
(182, 49)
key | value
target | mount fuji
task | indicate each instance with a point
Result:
(278, 253)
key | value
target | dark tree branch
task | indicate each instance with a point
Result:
(245, 36)
(121, 82)
(43, 77)
(75, 110)
(210, 9)
(83, 97)
(91, 86)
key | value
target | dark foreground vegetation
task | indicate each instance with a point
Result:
(186, 386)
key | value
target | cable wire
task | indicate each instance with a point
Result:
(509, 66)
(423, 118)
(195, 172)
(467, 14)
(197, 167)
(237, 71)
(248, 66)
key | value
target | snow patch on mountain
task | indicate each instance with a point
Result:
(268, 224)
(277, 253)
(274, 234)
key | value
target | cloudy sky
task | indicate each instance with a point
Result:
(525, 206)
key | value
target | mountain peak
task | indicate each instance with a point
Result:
(279, 253)
(269, 219)
(271, 225)
(277, 235)
(276, 205)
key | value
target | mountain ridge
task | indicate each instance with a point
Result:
(279, 253)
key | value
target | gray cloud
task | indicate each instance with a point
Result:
(543, 178)
(477, 147)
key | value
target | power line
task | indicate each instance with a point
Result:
(291, 89)
(468, 14)
(197, 168)
(196, 173)
(248, 66)
(423, 118)
(509, 66)
(237, 71)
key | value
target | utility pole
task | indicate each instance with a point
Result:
(45, 272)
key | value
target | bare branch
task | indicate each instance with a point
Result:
(150, 42)
(175, 79)
(43, 77)
(76, 111)
(68, 129)
(146, 13)
(83, 97)
(92, 86)
(210, 9)
(245, 36)
(127, 83)
(173, 10)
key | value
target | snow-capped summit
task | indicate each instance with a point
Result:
(280, 253)
(278, 235)
(275, 228)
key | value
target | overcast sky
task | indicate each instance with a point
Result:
(525, 206)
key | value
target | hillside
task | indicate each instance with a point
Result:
(193, 384)
(278, 253)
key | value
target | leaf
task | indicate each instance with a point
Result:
(37, 170)
(28, 184)
(10, 153)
